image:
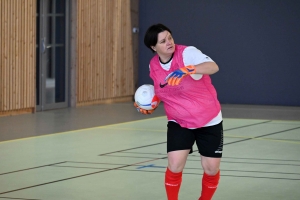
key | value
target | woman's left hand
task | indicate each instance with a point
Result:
(176, 76)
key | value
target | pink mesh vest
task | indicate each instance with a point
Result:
(192, 103)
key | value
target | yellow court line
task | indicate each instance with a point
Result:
(136, 129)
(268, 139)
(285, 121)
(154, 118)
(273, 120)
(78, 130)
(225, 135)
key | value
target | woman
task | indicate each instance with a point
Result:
(181, 80)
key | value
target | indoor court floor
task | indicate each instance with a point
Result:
(111, 152)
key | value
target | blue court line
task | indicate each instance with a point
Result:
(151, 165)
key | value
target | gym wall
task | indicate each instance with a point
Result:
(17, 56)
(103, 49)
(255, 43)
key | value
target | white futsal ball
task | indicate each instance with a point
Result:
(145, 97)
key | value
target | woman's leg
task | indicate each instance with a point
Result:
(173, 175)
(179, 142)
(177, 160)
(210, 145)
(211, 166)
(211, 176)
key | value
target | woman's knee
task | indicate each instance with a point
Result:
(211, 171)
(175, 167)
(177, 160)
(211, 166)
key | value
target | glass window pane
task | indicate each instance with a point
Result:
(60, 6)
(60, 74)
(60, 30)
(50, 6)
(50, 77)
(49, 31)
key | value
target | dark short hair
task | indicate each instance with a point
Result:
(150, 38)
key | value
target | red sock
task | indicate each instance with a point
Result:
(209, 186)
(172, 184)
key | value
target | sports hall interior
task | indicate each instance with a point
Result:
(91, 143)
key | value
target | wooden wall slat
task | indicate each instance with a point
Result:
(116, 46)
(1, 51)
(104, 43)
(96, 48)
(88, 57)
(5, 54)
(13, 57)
(25, 54)
(17, 51)
(22, 57)
(27, 49)
(79, 53)
(17, 56)
(83, 35)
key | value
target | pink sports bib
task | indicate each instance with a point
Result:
(192, 103)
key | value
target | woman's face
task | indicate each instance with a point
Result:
(165, 44)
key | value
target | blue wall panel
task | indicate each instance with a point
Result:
(255, 43)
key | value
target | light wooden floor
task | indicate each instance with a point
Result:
(111, 152)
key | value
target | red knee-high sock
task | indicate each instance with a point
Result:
(209, 186)
(172, 184)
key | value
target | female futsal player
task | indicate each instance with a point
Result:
(181, 80)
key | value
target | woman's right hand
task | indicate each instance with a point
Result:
(143, 111)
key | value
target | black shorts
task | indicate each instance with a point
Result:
(208, 139)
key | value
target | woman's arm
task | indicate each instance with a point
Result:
(207, 68)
